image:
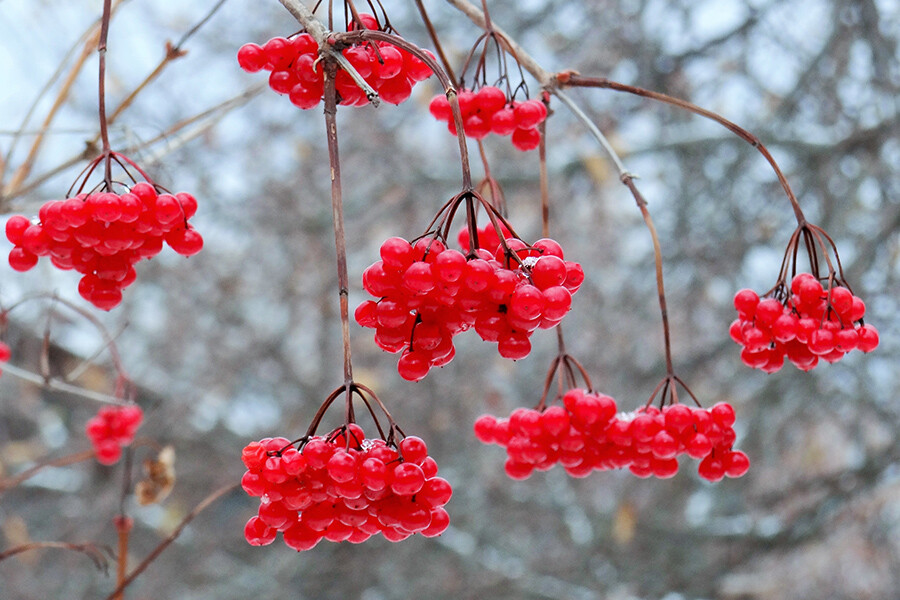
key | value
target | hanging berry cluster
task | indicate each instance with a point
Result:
(103, 234)
(490, 111)
(802, 320)
(295, 68)
(587, 434)
(429, 293)
(812, 323)
(112, 429)
(343, 486)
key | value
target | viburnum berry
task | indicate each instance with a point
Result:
(809, 324)
(426, 294)
(587, 434)
(5, 354)
(488, 110)
(111, 429)
(102, 235)
(342, 487)
(296, 71)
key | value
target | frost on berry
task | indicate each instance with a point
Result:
(343, 487)
(111, 429)
(587, 434)
(102, 235)
(426, 294)
(295, 71)
(808, 324)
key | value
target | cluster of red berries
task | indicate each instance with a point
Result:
(587, 433)
(102, 235)
(343, 487)
(429, 293)
(5, 354)
(489, 111)
(809, 324)
(111, 429)
(297, 72)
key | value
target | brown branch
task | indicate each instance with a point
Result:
(337, 213)
(92, 551)
(568, 79)
(69, 459)
(203, 505)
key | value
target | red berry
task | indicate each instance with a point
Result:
(526, 139)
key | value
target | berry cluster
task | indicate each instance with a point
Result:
(489, 111)
(102, 235)
(343, 487)
(809, 324)
(429, 293)
(111, 429)
(297, 72)
(587, 434)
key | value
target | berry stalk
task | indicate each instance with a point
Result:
(101, 92)
(337, 212)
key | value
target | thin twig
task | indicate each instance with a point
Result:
(62, 461)
(58, 385)
(203, 505)
(92, 551)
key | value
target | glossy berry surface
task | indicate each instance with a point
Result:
(295, 71)
(488, 110)
(343, 487)
(111, 429)
(588, 434)
(811, 324)
(426, 294)
(102, 236)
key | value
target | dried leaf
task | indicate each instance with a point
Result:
(159, 480)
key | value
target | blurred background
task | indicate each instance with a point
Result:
(243, 340)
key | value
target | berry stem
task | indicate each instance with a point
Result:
(104, 128)
(628, 180)
(337, 211)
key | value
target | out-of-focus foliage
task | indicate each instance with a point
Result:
(243, 340)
